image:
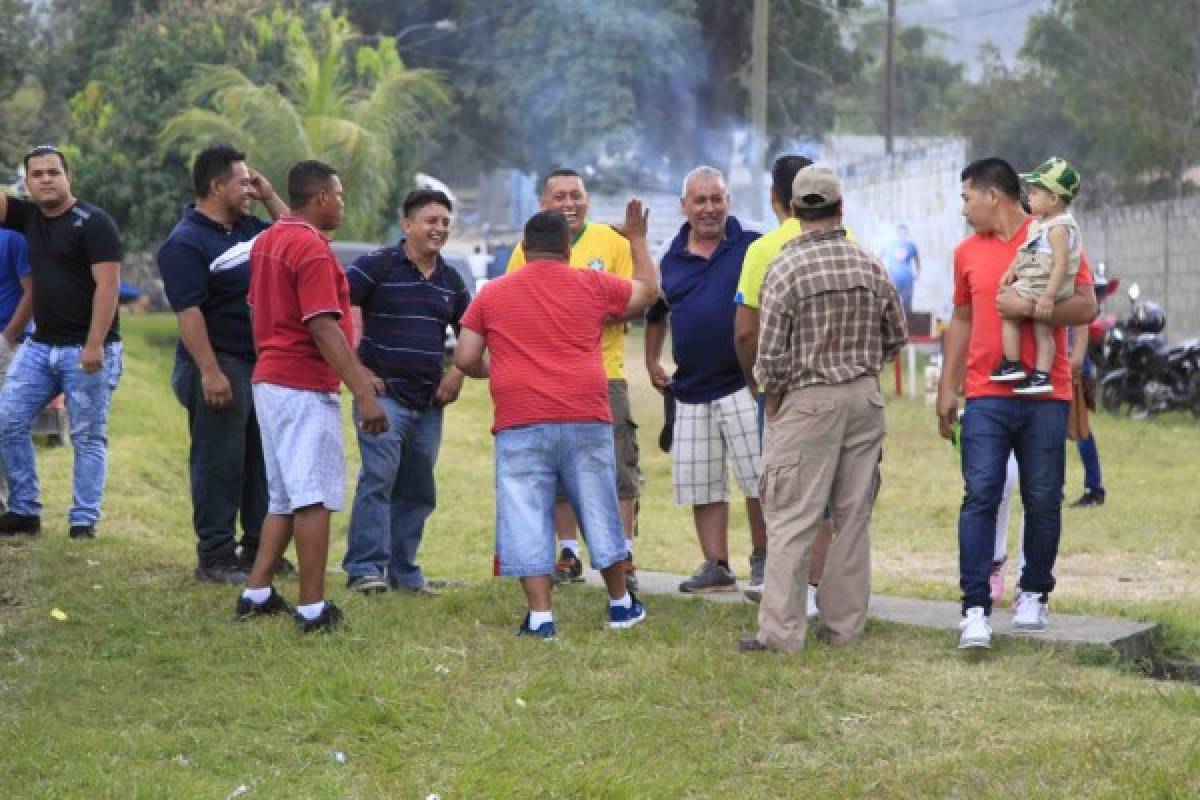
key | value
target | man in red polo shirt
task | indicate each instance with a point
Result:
(995, 422)
(300, 310)
(542, 326)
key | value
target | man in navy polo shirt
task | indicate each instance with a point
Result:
(205, 267)
(716, 416)
(408, 295)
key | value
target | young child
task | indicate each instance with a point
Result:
(1044, 271)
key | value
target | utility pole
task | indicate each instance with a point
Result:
(889, 92)
(758, 101)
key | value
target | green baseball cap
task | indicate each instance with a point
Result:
(1054, 175)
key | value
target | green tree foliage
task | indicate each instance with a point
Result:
(1129, 76)
(929, 88)
(1018, 115)
(349, 104)
(115, 114)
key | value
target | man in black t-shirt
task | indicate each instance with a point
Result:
(205, 267)
(75, 350)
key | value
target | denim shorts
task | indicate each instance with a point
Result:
(531, 460)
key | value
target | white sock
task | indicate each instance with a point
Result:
(539, 618)
(621, 602)
(571, 544)
(312, 610)
(257, 595)
(629, 546)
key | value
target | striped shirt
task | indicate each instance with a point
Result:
(829, 314)
(405, 316)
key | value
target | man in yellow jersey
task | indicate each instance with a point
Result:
(745, 329)
(596, 246)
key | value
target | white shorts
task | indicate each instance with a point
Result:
(302, 446)
(705, 433)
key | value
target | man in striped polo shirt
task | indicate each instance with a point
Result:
(408, 295)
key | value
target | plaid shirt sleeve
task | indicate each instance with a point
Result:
(773, 367)
(895, 327)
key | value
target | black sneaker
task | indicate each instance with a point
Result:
(226, 570)
(330, 618)
(284, 569)
(1090, 499)
(1008, 372)
(275, 604)
(568, 568)
(1038, 382)
(12, 524)
(367, 584)
(82, 532)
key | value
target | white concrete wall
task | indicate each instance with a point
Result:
(920, 188)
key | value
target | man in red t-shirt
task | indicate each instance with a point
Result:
(300, 311)
(541, 327)
(995, 422)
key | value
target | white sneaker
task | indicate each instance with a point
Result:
(976, 631)
(1031, 614)
(810, 604)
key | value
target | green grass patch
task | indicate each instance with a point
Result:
(148, 689)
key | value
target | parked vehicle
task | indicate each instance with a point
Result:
(1145, 374)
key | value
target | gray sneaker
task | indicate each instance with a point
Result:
(758, 569)
(711, 577)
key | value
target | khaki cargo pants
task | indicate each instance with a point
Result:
(822, 447)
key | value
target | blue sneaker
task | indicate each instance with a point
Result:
(621, 617)
(544, 631)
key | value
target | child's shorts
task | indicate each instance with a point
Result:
(1033, 273)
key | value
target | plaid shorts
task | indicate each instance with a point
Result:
(705, 433)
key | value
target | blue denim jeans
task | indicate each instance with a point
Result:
(531, 461)
(38, 373)
(1036, 431)
(225, 461)
(396, 493)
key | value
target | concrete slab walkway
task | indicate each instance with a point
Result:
(1130, 639)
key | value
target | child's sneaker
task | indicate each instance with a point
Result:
(1038, 382)
(622, 617)
(1008, 372)
(976, 631)
(996, 580)
(274, 604)
(330, 618)
(1031, 612)
(544, 631)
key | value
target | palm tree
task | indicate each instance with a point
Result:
(351, 106)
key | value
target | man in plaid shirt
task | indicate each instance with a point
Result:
(830, 319)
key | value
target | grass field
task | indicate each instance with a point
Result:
(149, 690)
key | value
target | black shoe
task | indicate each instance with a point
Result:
(751, 644)
(1038, 382)
(284, 569)
(12, 523)
(226, 570)
(367, 584)
(1009, 372)
(568, 568)
(1091, 497)
(330, 618)
(275, 604)
(82, 532)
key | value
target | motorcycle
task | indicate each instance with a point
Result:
(1142, 371)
